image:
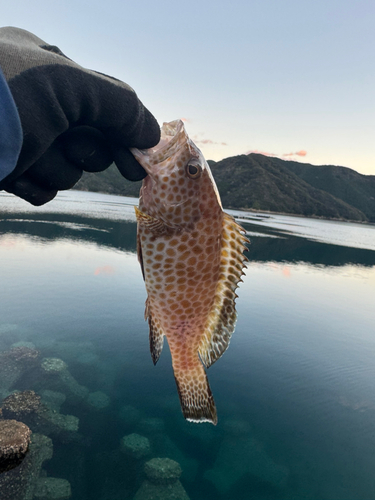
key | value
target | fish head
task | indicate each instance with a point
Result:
(179, 188)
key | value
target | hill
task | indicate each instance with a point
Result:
(264, 183)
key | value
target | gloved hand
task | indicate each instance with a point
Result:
(73, 119)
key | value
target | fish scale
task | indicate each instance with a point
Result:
(191, 254)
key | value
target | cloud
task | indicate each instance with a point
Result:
(209, 141)
(258, 152)
(302, 152)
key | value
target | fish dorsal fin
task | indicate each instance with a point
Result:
(156, 335)
(222, 318)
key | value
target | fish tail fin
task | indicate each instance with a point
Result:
(197, 402)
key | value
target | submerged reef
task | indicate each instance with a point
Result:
(240, 454)
(135, 446)
(14, 443)
(56, 376)
(48, 403)
(52, 488)
(20, 483)
(15, 364)
(162, 481)
(28, 408)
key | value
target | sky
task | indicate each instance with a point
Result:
(291, 78)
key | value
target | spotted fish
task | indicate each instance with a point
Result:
(191, 254)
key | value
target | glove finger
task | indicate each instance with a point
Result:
(54, 171)
(27, 189)
(87, 148)
(142, 133)
(128, 165)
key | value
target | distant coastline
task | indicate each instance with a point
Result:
(270, 185)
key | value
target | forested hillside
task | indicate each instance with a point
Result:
(260, 182)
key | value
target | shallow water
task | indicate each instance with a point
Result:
(295, 391)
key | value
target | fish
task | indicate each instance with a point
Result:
(192, 259)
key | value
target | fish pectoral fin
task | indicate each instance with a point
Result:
(197, 402)
(222, 317)
(156, 336)
(152, 224)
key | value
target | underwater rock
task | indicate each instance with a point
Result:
(135, 446)
(56, 376)
(53, 365)
(3, 394)
(151, 425)
(87, 358)
(162, 481)
(163, 446)
(162, 470)
(240, 455)
(98, 400)
(20, 483)
(20, 405)
(53, 399)
(52, 488)
(129, 415)
(8, 334)
(23, 343)
(236, 427)
(15, 363)
(73, 351)
(27, 407)
(203, 434)
(8, 327)
(14, 443)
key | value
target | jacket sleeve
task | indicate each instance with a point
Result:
(11, 136)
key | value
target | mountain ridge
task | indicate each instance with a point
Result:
(263, 183)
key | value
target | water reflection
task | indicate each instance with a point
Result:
(121, 235)
(294, 391)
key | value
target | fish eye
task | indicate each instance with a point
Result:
(193, 170)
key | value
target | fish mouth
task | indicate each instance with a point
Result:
(173, 136)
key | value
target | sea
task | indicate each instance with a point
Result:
(295, 391)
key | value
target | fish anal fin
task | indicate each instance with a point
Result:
(221, 321)
(156, 335)
(152, 224)
(197, 402)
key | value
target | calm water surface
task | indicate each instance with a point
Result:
(295, 391)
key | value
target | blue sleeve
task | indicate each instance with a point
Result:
(10, 130)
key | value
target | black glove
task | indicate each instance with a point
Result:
(73, 119)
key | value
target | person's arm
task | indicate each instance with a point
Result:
(72, 119)
(10, 130)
